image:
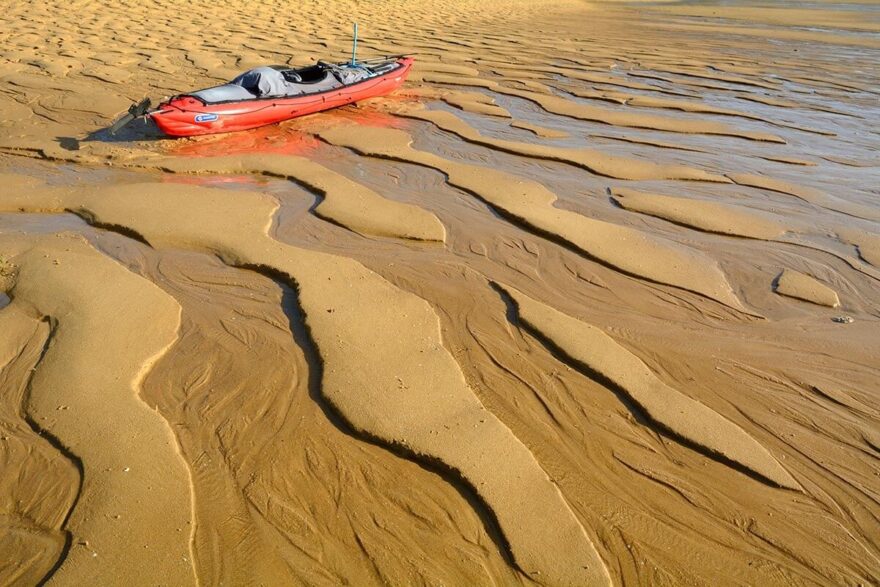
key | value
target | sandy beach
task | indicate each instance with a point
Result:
(592, 299)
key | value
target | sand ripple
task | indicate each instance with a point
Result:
(132, 508)
(531, 204)
(595, 352)
(683, 393)
(371, 384)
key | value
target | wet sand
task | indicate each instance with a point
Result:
(593, 299)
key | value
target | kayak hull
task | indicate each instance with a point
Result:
(186, 116)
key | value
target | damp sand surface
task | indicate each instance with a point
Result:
(578, 305)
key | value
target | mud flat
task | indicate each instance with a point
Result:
(581, 304)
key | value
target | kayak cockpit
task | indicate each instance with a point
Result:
(282, 82)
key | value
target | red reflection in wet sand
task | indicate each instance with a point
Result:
(281, 139)
(294, 137)
(375, 113)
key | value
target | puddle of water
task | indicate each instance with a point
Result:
(24, 223)
(4, 300)
(234, 182)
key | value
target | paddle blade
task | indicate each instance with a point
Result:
(134, 111)
(121, 122)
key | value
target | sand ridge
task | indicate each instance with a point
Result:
(803, 287)
(41, 484)
(669, 408)
(708, 216)
(98, 416)
(344, 201)
(594, 161)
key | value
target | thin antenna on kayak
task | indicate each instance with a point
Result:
(354, 46)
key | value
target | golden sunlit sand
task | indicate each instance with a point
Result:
(594, 298)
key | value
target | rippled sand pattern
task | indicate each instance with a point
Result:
(593, 299)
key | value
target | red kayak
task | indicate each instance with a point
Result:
(268, 95)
